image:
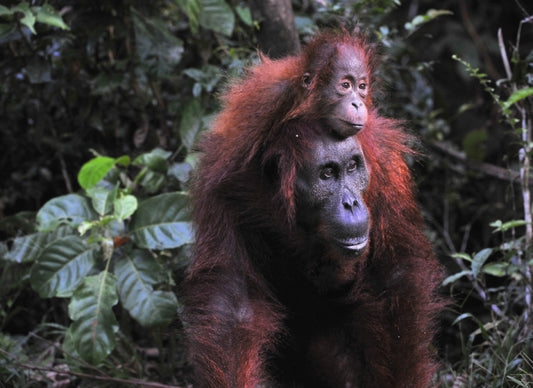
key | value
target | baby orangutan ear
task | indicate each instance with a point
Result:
(306, 80)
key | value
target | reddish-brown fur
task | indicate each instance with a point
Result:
(251, 316)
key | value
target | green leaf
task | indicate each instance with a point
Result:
(155, 160)
(123, 160)
(68, 345)
(94, 327)
(106, 83)
(192, 9)
(7, 32)
(28, 19)
(462, 317)
(496, 269)
(125, 206)
(4, 11)
(479, 259)
(158, 49)
(102, 199)
(62, 266)
(504, 226)
(520, 94)
(191, 123)
(72, 209)
(28, 248)
(94, 171)
(163, 222)
(420, 20)
(85, 226)
(48, 15)
(136, 276)
(245, 15)
(474, 144)
(207, 78)
(181, 171)
(152, 181)
(453, 278)
(193, 158)
(462, 256)
(216, 15)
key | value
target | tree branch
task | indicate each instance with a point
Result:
(277, 34)
(485, 168)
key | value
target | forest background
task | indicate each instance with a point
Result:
(101, 104)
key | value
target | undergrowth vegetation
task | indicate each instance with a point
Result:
(101, 104)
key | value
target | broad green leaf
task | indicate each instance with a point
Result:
(123, 160)
(102, 199)
(28, 19)
(94, 327)
(181, 171)
(72, 209)
(158, 49)
(191, 123)
(94, 171)
(125, 206)
(136, 276)
(496, 269)
(479, 259)
(162, 222)
(155, 160)
(216, 15)
(28, 248)
(62, 266)
(48, 15)
(4, 11)
(244, 14)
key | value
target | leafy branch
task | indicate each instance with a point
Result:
(101, 247)
(518, 113)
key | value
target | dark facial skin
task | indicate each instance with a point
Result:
(346, 93)
(330, 188)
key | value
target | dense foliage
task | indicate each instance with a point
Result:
(101, 104)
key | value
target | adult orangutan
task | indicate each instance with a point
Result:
(311, 267)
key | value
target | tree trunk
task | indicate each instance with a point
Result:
(277, 34)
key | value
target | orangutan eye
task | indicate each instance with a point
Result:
(327, 173)
(352, 166)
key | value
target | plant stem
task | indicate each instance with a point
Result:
(525, 162)
(526, 198)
